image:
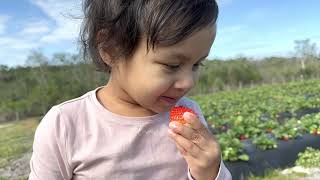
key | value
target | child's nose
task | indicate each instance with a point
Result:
(185, 82)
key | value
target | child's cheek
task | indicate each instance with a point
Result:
(160, 83)
(162, 86)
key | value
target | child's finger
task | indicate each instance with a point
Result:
(190, 134)
(196, 124)
(186, 144)
(181, 149)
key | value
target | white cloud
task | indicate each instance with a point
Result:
(61, 12)
(14, 51)
(17, 43)
(69, 31)
(14, 48)
(57, 31)
(36, 28)
(3, 23)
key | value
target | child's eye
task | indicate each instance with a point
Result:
(172, 67)
(175, 67)
(196, 66)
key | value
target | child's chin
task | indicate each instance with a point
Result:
(164, 109)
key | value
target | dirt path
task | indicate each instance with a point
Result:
(314, 174)
(4, 126)
(311, 173)
(18, 169)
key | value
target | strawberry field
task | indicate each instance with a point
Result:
(262, 116)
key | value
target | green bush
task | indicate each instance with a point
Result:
(309, 158)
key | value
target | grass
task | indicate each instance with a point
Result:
(276, 175)
(16, 138)
(21, 178)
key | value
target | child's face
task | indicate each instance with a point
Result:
(145, 79)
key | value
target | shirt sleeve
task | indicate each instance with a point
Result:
(223, 173)
(49, 157)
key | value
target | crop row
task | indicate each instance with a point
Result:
(262, 115)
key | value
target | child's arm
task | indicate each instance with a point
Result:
(49, 157)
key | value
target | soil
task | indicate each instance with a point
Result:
(18, 169)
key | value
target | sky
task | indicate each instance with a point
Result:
(251, 28)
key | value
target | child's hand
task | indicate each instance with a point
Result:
(198, 146)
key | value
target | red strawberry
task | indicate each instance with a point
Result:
(176, 114)
(285, 138)
(315, 132)
(269, 130)
(242, 137)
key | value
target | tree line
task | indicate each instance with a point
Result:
(31, 90)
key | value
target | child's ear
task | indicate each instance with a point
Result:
(106, 58)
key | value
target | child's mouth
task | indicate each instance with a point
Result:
(168, 100)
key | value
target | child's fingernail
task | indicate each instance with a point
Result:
(173, 125)
(187, 116)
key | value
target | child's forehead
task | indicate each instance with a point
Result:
(176, 56)
(197, 43)
(184, 57)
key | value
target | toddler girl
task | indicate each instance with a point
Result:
(152, 50)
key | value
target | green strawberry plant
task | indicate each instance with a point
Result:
(290, 130)
(251, 113)
(309, 158)
(264, 142)
(311, 123)
(232, 148)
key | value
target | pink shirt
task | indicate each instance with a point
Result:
(81, 140)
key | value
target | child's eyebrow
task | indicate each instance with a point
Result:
(183, 57)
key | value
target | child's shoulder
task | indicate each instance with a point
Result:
(71, 113)
(64, 121)
(76, 102)
(75, 107)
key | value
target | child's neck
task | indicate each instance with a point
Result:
(118, 102)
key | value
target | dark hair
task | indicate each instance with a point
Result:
(117, 26)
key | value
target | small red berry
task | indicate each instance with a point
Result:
(316, 132)
(285, 138)
(243, 137)
(176, 114)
